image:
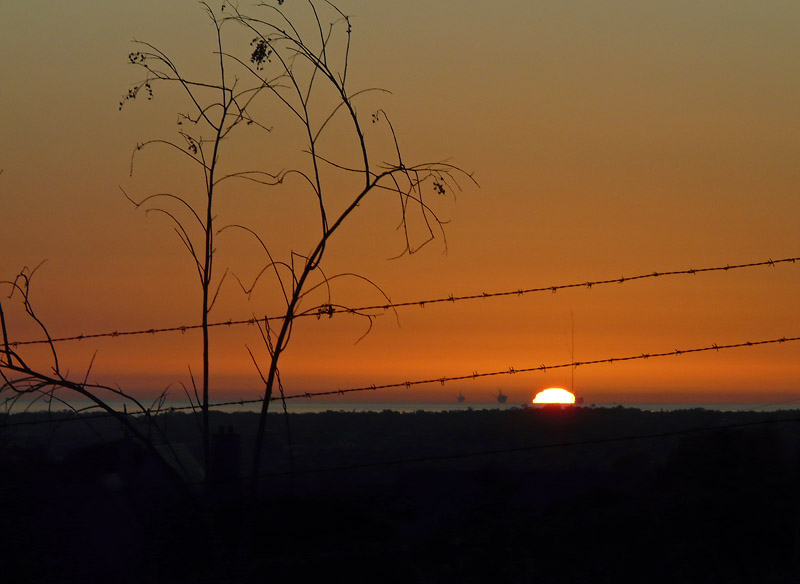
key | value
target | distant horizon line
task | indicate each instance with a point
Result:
(319, 406)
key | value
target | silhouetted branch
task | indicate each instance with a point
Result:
(31, 382)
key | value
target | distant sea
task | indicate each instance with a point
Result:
(297, 406)
(311, 407)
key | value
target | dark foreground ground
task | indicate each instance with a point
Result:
(578, 495)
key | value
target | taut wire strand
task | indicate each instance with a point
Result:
(329, 310)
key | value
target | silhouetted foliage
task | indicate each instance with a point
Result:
(274, 63)
(292, 63)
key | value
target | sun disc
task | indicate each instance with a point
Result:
(554, 395)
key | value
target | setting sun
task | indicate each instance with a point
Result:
(554, 395)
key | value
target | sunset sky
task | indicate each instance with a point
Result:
(609, 139)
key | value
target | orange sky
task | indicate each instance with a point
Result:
(609, 139)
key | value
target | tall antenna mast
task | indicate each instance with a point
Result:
(572, 351)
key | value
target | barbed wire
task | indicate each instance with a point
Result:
(331, 310)
(441, 380)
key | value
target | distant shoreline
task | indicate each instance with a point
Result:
(314, 407)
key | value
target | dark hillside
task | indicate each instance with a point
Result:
(584, 494)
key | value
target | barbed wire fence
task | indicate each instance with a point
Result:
(330, 311)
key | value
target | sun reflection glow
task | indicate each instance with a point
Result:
(554, 395)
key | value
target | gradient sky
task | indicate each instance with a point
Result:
(609, 139)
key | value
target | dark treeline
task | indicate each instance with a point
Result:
(525, 495)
